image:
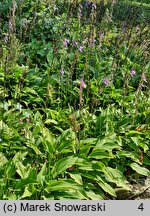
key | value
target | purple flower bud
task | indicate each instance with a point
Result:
(75, 43)
(82, 84)
(94, 6)
(87, 4)
(92, 42)
(66, 41)
(80, 9)
(106, 82)
(80, 5)
(81, 48)
(62, 72)
(133, 73)
(55, 8)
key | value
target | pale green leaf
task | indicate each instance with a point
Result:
(139, 169)
(77, 177)
(61, 165)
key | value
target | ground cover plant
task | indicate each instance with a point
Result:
(74, 98)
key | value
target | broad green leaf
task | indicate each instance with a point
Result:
(105, 186)
(89, 141)
(24, 182)
(139, 169)
(41, 174)
(26, 193)
(61, 185)
(127, 154)
(48, 140)
(90, 176)
(61, 165)
(100, 154)
(71, 56)
(115, 176)
(135, 140)
(49, 121)
(89, 166)
(27, 90)
(3, 159)
(65, 140)
(50, 56)
(69, 195)
(65, 185)
(133, 132)
(20, 156)
(109, 139)
(144, 146)
(94, 196)
(109, 146)
(21, 170)
(10, 169)
(77, 177)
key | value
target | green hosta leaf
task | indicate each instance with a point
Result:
(26, 193)
(144, 146)
(133, 132)
(34, 147)
(63, 136)
(139, 169)
(49, 141)
(20, 156)
(108, 146)
(146, 160)
(89, 141)
(30, 91)
(11, 196)
(71, 57)
(128, 154)
(100, 154)
(115, 176)
(41, 174)
(77, 177)
(10, 169)
(61, 185)
(108, 141)
(94, 196)
(105, 186)
(49, 121)
(21, 170)
(88, 175)
(135, 140)
(71, 195)
(65, 140)
(89, 165)
(65, 185)
(61, 165)
(50, 56)
(24, 182)
(3, 159)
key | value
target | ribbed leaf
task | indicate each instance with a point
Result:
(139, 169)
(61, 165)
(65, 185)
(77, 177)
(41, 174)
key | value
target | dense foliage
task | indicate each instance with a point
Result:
(74, 98)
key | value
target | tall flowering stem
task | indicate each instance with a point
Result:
(82, 85)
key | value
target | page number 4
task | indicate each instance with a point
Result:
(141, 207)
